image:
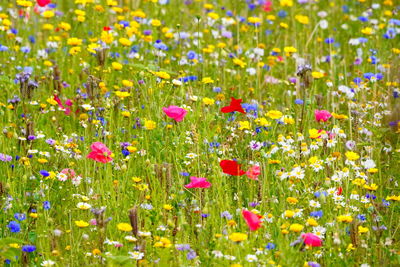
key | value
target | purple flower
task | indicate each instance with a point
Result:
(28, 248)
(191, 255)
(14, 227)
(5, 158)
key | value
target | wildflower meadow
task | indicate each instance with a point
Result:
(200, 133)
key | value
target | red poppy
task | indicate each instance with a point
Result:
(339, 191)
(252, 220)
(43, 3)
(106, 28)
(233, 106)
(268, 6)
(231, 167)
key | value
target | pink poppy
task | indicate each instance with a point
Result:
(311, 240)
(322, 115)
(252, 220)
(100, 153)
(253, 172)
(198, 182)
(175, 112)
(60, 104)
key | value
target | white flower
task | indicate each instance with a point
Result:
(130, 238)
(83, 206)
(47, 263)
(368, 164)
(251, 258)
(314, 204)
(136, 255)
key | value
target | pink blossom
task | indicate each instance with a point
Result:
(322, 115)
(253, 172)
(69, 172)
(175, 112)
(311, 240)
(100, 153)
(252, 220)
(198, 182)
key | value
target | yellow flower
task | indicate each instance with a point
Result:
(274, 114)
(345, 218)
(167, 207)
(350, 155)
(74, 41)
(116, 65)
(163, 243)
(107, 37)
(65, 26)
(43, 161)
(132, 149)
(317, 74)
(289, 50)
(48, 14)
(96, 251)
(24, 3)
(296, 227)
(125, 227)
(239, 62)
(122, 94)
(127, 83)
(155, 22)
(367, 31)
(314, 133)
(262, 122)
(149, 124)
(350, 247)
(162, 75)
(74, 50)
(362, 230)
(289, 213)
(231, 223)
(339, 116)
(206, 80)
(237, 237)
(125, 41)
(372, 187)
(358, 181)
(254, 20)
(244, 125)
(208, 101)
(288, 3)
(81, 224)
(302, 19)
(312, 222)
(394, 198)
(126, 114)
(292, 200)
(213, 15)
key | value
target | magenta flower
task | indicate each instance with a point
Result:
(198, 182)
(311, 240)
(322, 115)
(100, 153)
(253, 172)
(253, 220)
(175, 112)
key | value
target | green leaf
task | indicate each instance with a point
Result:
(32, 237)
